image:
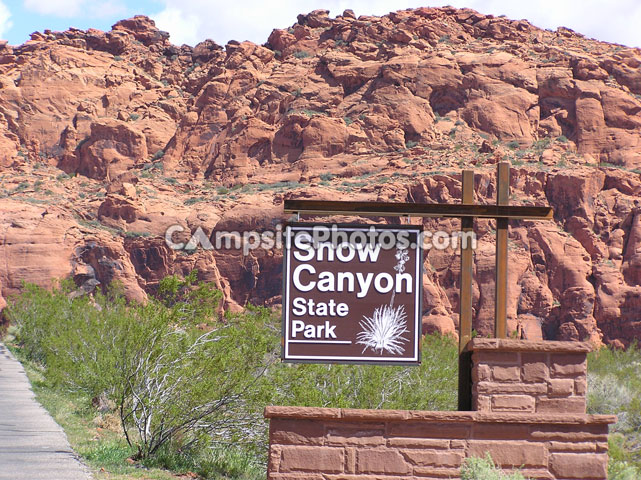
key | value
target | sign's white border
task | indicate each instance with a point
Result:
(375, 359)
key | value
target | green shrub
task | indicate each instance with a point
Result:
(614, 387)
(512, 145)
(170, 384)
(194, 200)
(312, 113)
(279, 185)
(355, 184)
(542, 144)
(133, 234)
(431, 386)
(620, 470)
(188, 298)
(152, 166)
(410, 144)
(624, 456)
(21, 187)
(484, 469)
(562, 139)
(302, 54)
(191, 68)
(614, 373)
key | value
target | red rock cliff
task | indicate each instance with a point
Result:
(106, 139)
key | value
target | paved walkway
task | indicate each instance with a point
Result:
(32, 445)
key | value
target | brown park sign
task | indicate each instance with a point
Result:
(352, 293)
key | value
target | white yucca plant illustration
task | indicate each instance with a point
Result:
(383, 331)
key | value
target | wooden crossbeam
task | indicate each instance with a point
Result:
(394, 209)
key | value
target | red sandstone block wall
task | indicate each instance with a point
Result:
(529, 399)
(527, 381)
(394, 445)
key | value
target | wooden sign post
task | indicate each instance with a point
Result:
(467, 211)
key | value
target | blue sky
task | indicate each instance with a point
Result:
(191, 21)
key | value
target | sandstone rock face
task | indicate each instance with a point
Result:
(109, 139)
(112, 148)
(45, 244)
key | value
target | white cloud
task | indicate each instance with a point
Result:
(76, 8)
(193, 21)
(5, 20)
(614, 21)
(183, 26)
(58, 8)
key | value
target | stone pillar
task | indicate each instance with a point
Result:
(524, 376)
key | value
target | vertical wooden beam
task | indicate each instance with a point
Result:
(465, 299)
(467, 225)
(502, 198)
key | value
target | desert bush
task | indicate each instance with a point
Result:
(607, 395)
(170, 382)
(614, 387)
(196, 387)
(484, 469)
(432, 386)
(621, 470)
(191, 301)
(542, 144)
(327, 176)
